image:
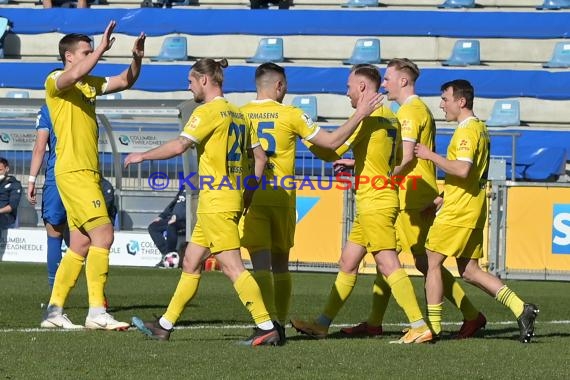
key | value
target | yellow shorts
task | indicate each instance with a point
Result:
(217, 231)
(268, 228)
(375, 230)
(455, 241)
(412, 230)
(83, 199)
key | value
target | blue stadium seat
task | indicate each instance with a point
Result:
(394, 106)
(457, 4)
(308, 104)
(538, 164)
(465, 53)
(554, 4)
(173, 49)
(18, 94)
(360, 3)
(170, 3)
(113, 96)
(268, 50)
(366, 50)
(506, 113)
(3, 32)
(560, 56)
(548, 164)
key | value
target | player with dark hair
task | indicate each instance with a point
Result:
(457, 230)
(419, 199)
(70, 97)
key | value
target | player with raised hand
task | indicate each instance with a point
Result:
(376, 145)
(70, 96)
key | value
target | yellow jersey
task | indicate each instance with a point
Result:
(377, 147)
(72, 112)
(222, 135)
(419, 189)
(277, 127)
(465, 199)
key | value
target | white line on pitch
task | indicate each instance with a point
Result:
(228, 327)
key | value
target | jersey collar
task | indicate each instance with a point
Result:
(410, 98)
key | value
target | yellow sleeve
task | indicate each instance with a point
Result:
(199, 126)
(51, 88)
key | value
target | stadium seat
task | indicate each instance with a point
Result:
(173, 49)
(560, 56)
(268, 50)
(366, 50)
(394, 106)
(506, 113)
(308, 104)
(457, 4)
(538, 163)
(465, 53)
(18, 94)
(170, 3)
(113, 96)
(547, 164)
(3, 32)
(554, 5)
(360, 3)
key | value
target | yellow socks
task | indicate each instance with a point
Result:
(509, 298)
(381, 293)
(185, 291)
(455, 293)
(250, 295)
(66, 277)
(282, 286)
(404, 294)
(264, 279)
(339, 294)
(434, 314)
(96, 270)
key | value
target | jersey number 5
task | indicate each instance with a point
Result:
(263, 126)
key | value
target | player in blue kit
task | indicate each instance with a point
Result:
(53, 212)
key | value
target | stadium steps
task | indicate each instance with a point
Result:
(300, 48)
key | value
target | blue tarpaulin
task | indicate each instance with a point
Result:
(489, 83)
(158, 22)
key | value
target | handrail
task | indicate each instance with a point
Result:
(513, 135)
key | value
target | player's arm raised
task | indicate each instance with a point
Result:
(71, 76)
(128, 77)
(367, 104)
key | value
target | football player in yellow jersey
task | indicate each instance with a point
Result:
(70, 97)
(458, 227)
(268, 229)
(418, 195)
(376, 145)
(222, 135)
